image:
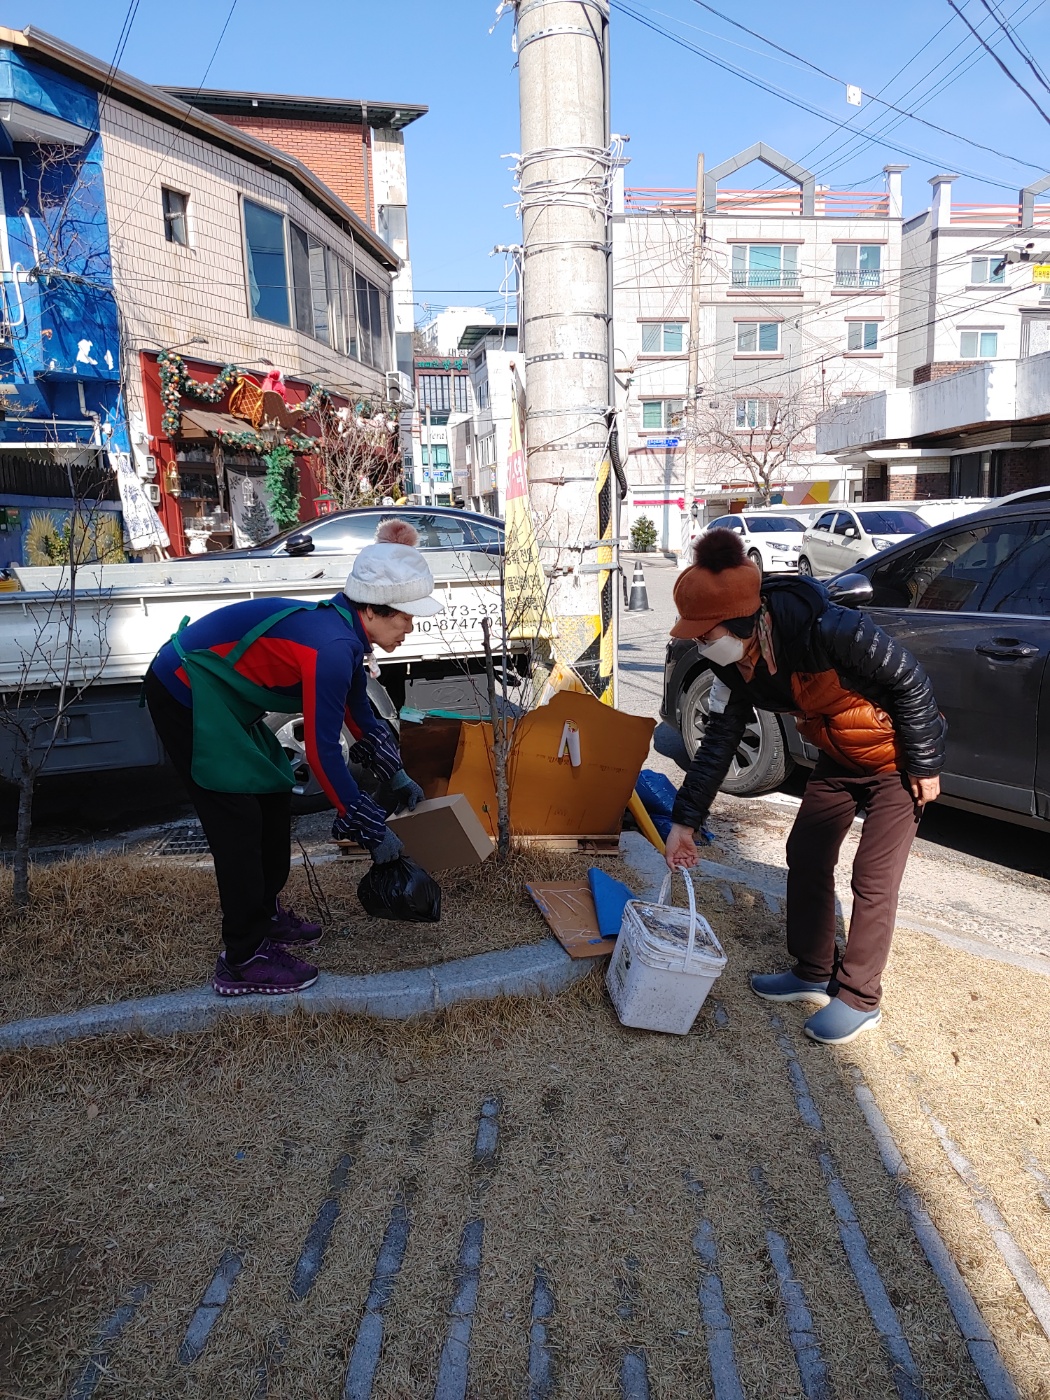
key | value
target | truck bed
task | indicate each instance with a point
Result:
(125, 612)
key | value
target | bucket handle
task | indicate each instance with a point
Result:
(665, 891)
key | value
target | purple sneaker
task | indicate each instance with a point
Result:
(270, 971)
(290, 931)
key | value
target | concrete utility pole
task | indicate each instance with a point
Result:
(693, 386)
(564, 178)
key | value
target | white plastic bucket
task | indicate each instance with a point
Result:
(666, 961)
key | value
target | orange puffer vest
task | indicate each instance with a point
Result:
(853, 731)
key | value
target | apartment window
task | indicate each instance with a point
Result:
(315, 284)
(757, 337)
(752, 413)
(978, 345)
(267, 263)
(660, 415)
(663, 338)
(176, 221)
(858, 265)
(985, 270)
(862, 335)
(434, 392)
(369, 321)
(770, 265)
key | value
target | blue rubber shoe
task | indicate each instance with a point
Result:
(785, 986)
(838, 1024)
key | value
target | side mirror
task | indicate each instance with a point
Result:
(298, 545)
(851, 590)
(851, 532)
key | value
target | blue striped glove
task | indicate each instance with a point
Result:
(378, 751)
(364, 823)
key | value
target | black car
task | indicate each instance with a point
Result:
(971, 600)
(347, 531)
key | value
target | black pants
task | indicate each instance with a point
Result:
(832, 799)
(249, 834)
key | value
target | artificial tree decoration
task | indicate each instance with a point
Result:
(282, 486)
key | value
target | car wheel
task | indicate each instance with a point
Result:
(290, 731)
(804, 566)
(756, 559)
(761, 762)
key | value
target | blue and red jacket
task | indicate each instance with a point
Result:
(316, 658)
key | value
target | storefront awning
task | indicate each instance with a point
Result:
(198, 423)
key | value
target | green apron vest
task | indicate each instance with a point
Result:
(233, 749)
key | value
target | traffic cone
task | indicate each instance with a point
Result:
(639, 599)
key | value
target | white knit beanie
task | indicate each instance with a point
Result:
(392, 572)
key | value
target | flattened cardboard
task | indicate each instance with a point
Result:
(570, 914)
(443, 833)
(548, 796)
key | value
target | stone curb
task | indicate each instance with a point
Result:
(538, 969)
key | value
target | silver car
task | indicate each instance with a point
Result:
(841, 539)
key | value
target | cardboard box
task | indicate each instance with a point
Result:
(443, 833)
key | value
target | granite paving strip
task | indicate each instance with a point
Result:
(979, 1343)
(111, 1331)
(455, 1354)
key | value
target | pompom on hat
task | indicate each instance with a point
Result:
(393, 573)
(721, 583)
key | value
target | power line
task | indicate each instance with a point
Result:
(872, 97)
(985, 45)
(1017, 45)
(869, 135)
(790, 98)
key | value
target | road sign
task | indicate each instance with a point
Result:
(1041, 272)
(662, 442)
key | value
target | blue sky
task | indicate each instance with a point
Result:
(670, 102)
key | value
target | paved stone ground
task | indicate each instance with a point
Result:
(968, 877)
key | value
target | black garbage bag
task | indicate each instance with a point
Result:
(401, 889)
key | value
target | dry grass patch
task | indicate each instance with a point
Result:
(971, 1039)
(150, 1158)
(106, 929)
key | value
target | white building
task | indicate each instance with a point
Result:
(441, 336)
(797, 289)
(983, 430)
(959, 303)
(497, 372)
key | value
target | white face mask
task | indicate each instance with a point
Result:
(723, 652)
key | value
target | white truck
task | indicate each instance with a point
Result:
(122, 613)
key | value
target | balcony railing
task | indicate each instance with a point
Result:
(778, 279)
(869, 277)
(831, 204)
(998, 215)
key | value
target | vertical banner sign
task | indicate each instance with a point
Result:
(524, 585)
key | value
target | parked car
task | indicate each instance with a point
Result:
(971, 600)
(347, 531)
(772, 541)
(939, 512)
(840, 539)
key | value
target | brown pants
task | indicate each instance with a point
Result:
(832, 799)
